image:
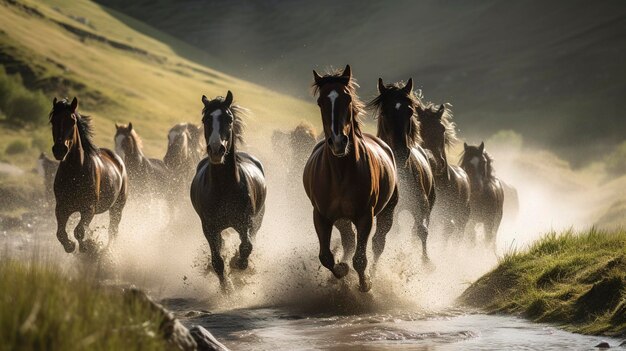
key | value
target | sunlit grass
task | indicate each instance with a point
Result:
(577, 280)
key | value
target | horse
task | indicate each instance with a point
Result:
(487, 194)
(452, 187)
(145, 174)
(395, 109)
(47, 169)
(90, 180)
(350, 177)
(228, 190)
(298, 143)
(184, 150)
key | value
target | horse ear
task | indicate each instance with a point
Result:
(54, 101)
(347, 72)
(205, 100)
(74, 104)
(481, 148)
(317, 77)
(117, 125)
(381, 85)
(130, 126)
(441, 110)
(229, 98)
(408, 87)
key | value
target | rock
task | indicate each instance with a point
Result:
(174, 331)
(623, 343)
(205, 340)
(603, 345)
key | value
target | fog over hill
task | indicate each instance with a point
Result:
(553, 71)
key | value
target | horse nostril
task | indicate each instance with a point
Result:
(222, 149)
(330, 141)
(344, 139)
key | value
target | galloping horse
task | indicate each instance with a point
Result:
(451, 182)
(349, 177)
(396, 111)
(89, 180)
(228, 190)
(145, 174)
(487, 196)
(184, 151)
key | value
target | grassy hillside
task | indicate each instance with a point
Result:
(551, 70)
(121, 70)
(574, 280)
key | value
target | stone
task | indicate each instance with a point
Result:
(205, 340)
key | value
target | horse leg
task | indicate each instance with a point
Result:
(245, 248)
(324, 229)
(83, 226)
(384, 222)
(348, 240)
(359, 262)
(214, 237)
(115, 217)
(62, 217)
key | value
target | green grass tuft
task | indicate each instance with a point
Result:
(576, 280)
(43, 309)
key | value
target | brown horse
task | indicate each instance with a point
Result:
(184, 150)
(89, 180)
(396, 110)
(47, 169)
(145, 174)
(228, 190)
(349, 177)
(451, 182)
(487, 196)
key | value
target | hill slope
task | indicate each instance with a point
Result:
(119, 73)
(551, 70)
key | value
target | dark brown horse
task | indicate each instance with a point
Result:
(89, 180)
(487, 196)
(145, 174)
(184, 150)
(451, 182)
(350, 178)
(228, 190)
(396, 110)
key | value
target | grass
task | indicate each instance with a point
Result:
(149, 84)
(575, 280)
(43, 309)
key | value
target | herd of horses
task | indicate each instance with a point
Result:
(354, 180)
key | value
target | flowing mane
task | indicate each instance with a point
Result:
(358, 107)
(391, 90)
(429, 110)
(85, 128)
(240, 114)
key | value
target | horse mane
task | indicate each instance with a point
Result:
(84, 124)
(413, 138)
(430, 110)
(240, 114)
(358, 107)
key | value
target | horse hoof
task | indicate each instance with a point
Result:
(69, 246)
(366, 285)
(341, 270)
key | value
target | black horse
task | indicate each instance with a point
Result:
(396, 111)
(487, 196)
(228, 190)
(452, 187)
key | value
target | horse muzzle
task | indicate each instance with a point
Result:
(338, 144)
(216, 152)
(59, 151)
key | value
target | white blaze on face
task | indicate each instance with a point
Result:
(332, 96)
(215, 133)
(474, 162)
(118, 145)
(398, 105)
